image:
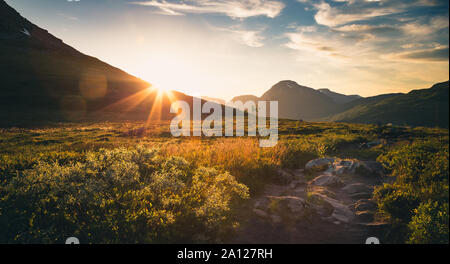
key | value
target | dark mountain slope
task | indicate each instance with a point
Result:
(42, 79)
(245, 98)
(425, 107)
(299, 102)
(339, 98)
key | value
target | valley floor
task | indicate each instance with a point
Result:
(322, 183)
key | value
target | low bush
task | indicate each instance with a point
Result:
(125, 195)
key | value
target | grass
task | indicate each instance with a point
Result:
(26, 153)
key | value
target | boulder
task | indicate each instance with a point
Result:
(284, 176)
(373, 168)
(341, 166)
(365, 205)
(357, 188)
(294, 204)
(276, 219)
(317, 203)
(339, 211)
(326, 180)
(378, 229)
(260, 213)
(321, 190)
(364, 216)
(343, 214)
(361, 195)
(297, 183)
(319, 164)
(262, 204)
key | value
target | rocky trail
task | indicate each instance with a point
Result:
(330, 201)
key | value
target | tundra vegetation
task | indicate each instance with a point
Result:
(131, 182)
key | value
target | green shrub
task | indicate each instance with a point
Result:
(429, 225)
(421, 175)
(119, 195)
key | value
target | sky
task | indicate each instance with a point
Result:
(225, 48)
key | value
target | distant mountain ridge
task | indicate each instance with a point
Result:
(339, 98)
(425, 107)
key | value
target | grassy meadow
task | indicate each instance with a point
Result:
(132, 183)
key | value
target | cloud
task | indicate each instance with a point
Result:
(251, 38)
(369, 28)
(439, 54)
(231, 8)
(317, 44)
(331, 16)
(363, 10)
(424, 29)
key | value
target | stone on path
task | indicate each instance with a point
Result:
(357, 188)
(320, 163)
(327, 180)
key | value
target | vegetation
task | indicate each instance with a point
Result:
(122, 182)
(417, 201)
(426, 107)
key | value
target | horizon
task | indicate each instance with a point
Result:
(350, 47)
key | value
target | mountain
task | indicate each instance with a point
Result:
(214, 100)
(295, 101)
(43, 79)
(299, 102)
(245, 98)
(424, 107)
(339, 98)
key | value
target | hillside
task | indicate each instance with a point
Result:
(299, 102)
(245, 98)
(425, 107)
(44, 79)
(339, 98)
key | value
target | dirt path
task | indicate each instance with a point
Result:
(334, 207)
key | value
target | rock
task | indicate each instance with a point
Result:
(284, 176)
(260, 213)
(343, 214)
(297, 183)
(326, 180)
(378, 227)
(341, 166)
(319, 205)
(364, 216)
(340, 211)
(365, 205)
(357, 188)
(262, 204)
(294, 204)
(319, 164)
(373, 168)
(299, 171)
(322, 190)
(361, 195)
(275, 219)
